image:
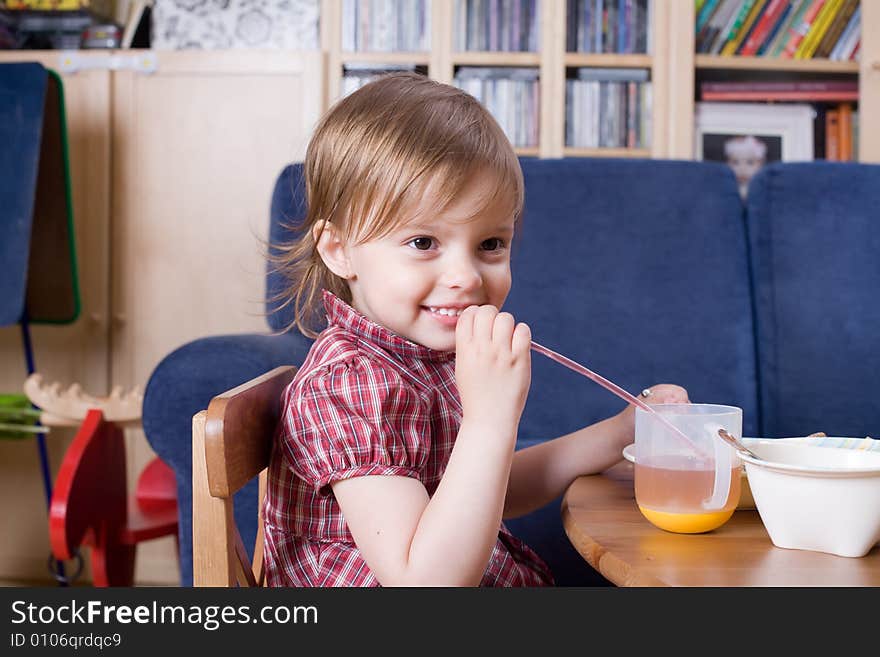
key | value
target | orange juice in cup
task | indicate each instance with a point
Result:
(687, 487)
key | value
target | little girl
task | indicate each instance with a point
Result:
(394, 462)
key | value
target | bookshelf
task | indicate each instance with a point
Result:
(549, 60)
(672, 62)
(866, 70)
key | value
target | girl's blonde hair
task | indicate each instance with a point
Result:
(370, 162)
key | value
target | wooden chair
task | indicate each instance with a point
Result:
(232, 442)
(90, 504)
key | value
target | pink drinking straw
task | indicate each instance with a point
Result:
(613, 387)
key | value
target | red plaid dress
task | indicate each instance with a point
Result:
(364, 402)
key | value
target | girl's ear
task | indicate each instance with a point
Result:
(332, 249)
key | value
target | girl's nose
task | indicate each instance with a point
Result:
(462, 273)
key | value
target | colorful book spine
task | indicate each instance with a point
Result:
(739, 19)
(720, 36)
(705, 13)
(810, 36)
(844, 129)
(823, 21)
(794, 17)
(809, 90)
(832, 135)
(731, 47)
(767, 96)
(799, 31)
(835, 29)
(762, 29)
(715, 25)
(849, 37)
(783, 19)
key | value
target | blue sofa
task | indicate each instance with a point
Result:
(646, 271)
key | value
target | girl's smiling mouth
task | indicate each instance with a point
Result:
(446, 315)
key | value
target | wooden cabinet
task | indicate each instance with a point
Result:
(74, 352)
(172, 180)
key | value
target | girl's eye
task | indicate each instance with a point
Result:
(492, 244)
(421, 243)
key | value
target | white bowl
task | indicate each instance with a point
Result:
(825, 499)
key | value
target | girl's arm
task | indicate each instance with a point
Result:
(408, 538)
(541, 473)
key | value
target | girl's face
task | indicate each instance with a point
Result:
(417, 279)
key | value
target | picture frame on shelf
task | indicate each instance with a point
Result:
(747, 136)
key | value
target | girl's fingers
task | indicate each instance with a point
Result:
(522, 339)
(502, 329)
(464, 328)
(484, 318)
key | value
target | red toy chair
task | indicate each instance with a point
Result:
(90, 503)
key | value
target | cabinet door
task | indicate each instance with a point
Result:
(869, 83)
(69, 353)
(197, 146)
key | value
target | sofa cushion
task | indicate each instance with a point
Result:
(815, 236)
(638, 270)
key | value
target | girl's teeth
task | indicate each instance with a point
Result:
(446, 311)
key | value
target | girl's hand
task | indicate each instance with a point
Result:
(665, 393)
(492, 365)
(662, 393)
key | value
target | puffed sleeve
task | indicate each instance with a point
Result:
(355, 418)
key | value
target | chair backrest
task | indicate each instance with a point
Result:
(232, 443)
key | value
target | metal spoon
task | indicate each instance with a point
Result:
(737, 445)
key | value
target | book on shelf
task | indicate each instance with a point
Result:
(733, 25)
(719, 19)
(799, 30)
(848, 44)
(771, 14)
(356, 74)
(832, 135)
(745, 29)
(608, 108)
(386, 25)
(844, 130)
(841, 133)
(794, 17)
(817, 31)
(612, 74)
(496, 25)
(816, 90)
(704, 13)
(776, 29)
(510, 94)
(835, 28)
(608, 26)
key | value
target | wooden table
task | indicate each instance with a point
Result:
(604, 524)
